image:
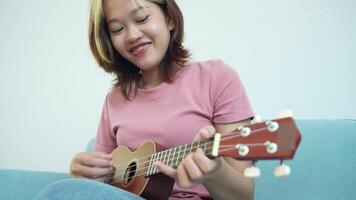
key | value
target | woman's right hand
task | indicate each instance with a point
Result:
(93, 165)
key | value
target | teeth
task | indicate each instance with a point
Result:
(139, 48)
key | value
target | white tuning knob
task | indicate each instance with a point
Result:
(272, 126)
(256, 119)
(245, 132)
(243, 149)
(282, 170)
(271, 147)
(284, 114)
(252, 172)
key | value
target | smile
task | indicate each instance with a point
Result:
(140, 49)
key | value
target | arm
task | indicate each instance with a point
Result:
(223, 177)
(229, 176)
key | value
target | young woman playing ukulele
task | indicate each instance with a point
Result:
(159, 95)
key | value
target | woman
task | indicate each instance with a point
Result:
(161, 95)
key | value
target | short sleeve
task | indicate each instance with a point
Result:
(231, 103)
(105, 140)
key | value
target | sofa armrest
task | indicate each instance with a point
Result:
(21, 184)
(90, 145)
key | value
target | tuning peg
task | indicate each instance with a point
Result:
(243, 149)
(272, 126)
(252, 172)
(284, 114)
(245, 131)
(271, 147)
(282, 170)
(256, 119)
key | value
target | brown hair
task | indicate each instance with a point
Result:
(127, 74)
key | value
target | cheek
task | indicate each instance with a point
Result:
(118, 45)
(159, 31)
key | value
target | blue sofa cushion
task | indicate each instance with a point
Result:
(324, 166)
(20, 184)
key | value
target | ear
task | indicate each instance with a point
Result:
(171, 23)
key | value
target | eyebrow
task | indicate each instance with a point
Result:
(131, 13)
(136, 10)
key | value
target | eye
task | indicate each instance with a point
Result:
(118, 30)
(143, 19)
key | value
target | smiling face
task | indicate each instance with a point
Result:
(140, 32)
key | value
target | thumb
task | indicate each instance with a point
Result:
(205, 133)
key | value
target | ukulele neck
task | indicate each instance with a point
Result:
(174, 156)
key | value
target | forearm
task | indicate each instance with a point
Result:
(227, 183)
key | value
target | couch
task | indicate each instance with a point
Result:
(324, 167)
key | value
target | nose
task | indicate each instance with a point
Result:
(133, 34)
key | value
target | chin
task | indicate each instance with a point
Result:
(147, 66)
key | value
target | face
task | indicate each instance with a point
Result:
(139, 32)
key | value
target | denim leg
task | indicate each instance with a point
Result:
(83, 189)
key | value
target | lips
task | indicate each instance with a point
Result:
(140, 49)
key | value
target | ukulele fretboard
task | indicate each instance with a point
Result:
(174, 156)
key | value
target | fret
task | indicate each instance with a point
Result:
(174, 156)
(184, 152)
(154, 159)
(197, 145)
(149, 172)
(150, 165)
(179, 151)
(209, 147)
(164, 156)
(169, 157)
(159, 159)
(205, 142)
(205, 146)
(192, 147)
(178, 157)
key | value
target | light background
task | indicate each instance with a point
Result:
(295, 54)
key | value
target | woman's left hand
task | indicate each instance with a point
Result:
(196, 167)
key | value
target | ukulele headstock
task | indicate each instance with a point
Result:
(275, 139)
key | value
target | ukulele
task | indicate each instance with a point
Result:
(268, 140)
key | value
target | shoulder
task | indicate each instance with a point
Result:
(114, 97)
(216, 67)
(210, 69)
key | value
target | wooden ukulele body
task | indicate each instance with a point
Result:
(130, 168)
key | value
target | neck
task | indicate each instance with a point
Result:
(150, 79)
(174, 156)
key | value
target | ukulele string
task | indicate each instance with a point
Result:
(146, 159)
(140, 174)
(227, 136)
(227, 148)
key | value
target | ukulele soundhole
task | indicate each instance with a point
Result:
(130, 173)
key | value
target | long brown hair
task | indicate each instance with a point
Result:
(126, 73)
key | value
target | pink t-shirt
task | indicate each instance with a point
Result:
(202, 93)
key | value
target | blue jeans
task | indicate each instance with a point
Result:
(83, 189)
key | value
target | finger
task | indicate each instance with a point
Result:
(192, 168)
(101, 155)
(92, 161)
(183, 177)
(205, 164)
(204, 133)
(92, 172)
(167, 170)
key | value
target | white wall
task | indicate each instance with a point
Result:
(290, 54)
